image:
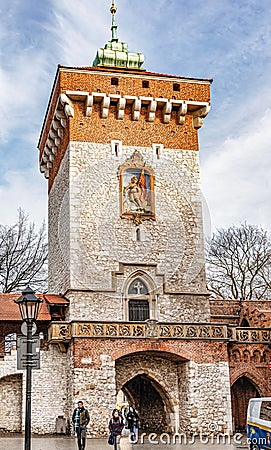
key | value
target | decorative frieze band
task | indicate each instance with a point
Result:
(60, 332)
(65, 110)
(63, 332)
(250, 335)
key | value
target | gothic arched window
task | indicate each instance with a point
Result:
(138, 301)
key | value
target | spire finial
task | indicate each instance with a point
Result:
(115, 53)
(113, 8)
(114, 26)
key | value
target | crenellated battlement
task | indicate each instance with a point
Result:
(131, 106)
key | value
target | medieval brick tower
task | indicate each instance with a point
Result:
(119, 147)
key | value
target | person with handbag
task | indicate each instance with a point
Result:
(115, 427)
(80, 419)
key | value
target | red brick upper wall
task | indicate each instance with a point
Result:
(130, 83)
(130, 132)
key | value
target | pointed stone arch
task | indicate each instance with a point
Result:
(149, 381)
(242, 390)
(154, 405)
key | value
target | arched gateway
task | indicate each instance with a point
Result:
(150, 382)
(242, 390)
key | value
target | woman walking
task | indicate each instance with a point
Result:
(116, 426)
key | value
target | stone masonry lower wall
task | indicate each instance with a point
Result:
(11, 403)
(205, 389)
(49, 392)
(195, 389)
(84, 213)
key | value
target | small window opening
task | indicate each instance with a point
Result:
(176, 87)
(114, 81)
(116, 148)
(145, 84)
(138, 235)
(157, 150)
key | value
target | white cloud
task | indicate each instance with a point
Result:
(80, 29)
(26, 190)
(21, 96)
(236, 179)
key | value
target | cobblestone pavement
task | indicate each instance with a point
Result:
(68, 443)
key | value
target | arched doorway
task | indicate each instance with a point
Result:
(242, 390)
(143, 393)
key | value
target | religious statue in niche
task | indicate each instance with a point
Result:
(137, 192)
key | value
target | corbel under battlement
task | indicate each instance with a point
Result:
(65, 110)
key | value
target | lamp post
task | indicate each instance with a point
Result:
(29, 307)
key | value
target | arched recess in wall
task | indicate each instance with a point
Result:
(241, 391)
(11, 403)
(244, 323)
(139, 295)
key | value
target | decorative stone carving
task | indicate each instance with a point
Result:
(199, 116)
(136, 160)
(59, 331)
(152, 329)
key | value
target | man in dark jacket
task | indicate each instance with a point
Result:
(80, 419)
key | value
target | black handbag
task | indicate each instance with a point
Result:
(111, 439)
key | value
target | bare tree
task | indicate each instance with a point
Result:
(239, 263)
(23, 256)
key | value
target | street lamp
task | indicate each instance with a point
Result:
(29, 307)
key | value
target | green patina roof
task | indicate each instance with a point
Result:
(115, 53)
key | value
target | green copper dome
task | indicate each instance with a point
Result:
(115, 53)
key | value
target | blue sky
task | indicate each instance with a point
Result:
(227, 40)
